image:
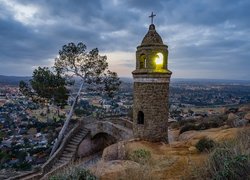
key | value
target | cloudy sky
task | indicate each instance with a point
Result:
(206, 38)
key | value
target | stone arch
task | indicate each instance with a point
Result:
(102, 140)
(143, 61)
(140, 117)
(108, 128)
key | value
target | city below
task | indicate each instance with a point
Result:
(28, 129)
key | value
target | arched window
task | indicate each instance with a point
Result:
(142, 61)
(140, 117)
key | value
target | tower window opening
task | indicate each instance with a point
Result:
(159, 60)
(143, 61)
(141, 64)
(140, 117)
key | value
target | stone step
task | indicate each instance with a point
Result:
(77, 139)
(67, 154)
(70, 149)
(78, 136)
(83, 132)
(66, 158)
(73, 142)
(72, 146)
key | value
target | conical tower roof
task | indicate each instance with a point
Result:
(152, 37)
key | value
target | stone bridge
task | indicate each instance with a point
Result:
(103, 133)
(120, 129)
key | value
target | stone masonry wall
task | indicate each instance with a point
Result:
(152, 100)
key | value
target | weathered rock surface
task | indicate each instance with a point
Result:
(117, 169)
(114, 152)
(190, 138)
(247, 116)
(232, 116)
(245, 108)
(168, 161)
(231, 119)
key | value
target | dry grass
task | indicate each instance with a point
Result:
(229, 160)
(72, 172)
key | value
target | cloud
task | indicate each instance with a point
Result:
(208, 39)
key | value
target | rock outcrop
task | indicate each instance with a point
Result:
(177, 160)
(247, 116)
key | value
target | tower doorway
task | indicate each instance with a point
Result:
(140, 117)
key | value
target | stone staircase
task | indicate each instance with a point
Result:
(68, 154)
(69, 151)
(64, 155)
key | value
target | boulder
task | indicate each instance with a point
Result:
(231, 119)
(193, 150)
(114, 152)
(247, 116)
(240, 122)
(245, 108)
(232, 116)
(223, 110)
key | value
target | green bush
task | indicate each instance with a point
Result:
(23, 166)
(205, 144)
(187, 127)
(199, 126)
(203, 126)
(174, 125)
(141, 156)
(228, 160)
(190, 121)
(74, 174)
(227, 165)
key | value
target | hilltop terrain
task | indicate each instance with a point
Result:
(189, 154)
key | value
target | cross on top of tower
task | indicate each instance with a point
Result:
(152, 17)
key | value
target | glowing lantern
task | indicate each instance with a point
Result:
(159, 59)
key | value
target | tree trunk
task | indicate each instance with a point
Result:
(58, 111)
(66, 123)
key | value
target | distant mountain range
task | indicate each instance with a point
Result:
(14, 80)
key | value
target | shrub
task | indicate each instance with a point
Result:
(203, 126)
(205, 144)
(141, 156)
(74, 174)
(23, 166)
(229, 160)
(200, 126)
(187, 127)
(227, 165)
(190, 121)
(174, 125)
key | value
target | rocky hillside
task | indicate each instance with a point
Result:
(173, 161)
(188, 156)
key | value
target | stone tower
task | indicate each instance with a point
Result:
(151, 88)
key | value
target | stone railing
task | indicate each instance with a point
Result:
(49, 164)
(123, 122)
(45, 168)
(59, 168)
